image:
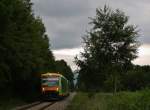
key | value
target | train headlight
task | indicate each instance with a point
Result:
(57, 89)
(43, 89)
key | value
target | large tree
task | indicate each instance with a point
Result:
(109, 48)
(24, 46)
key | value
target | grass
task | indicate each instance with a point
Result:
(105, 101)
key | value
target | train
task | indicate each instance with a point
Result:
(54, 86)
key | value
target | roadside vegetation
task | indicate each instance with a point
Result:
(139, 100)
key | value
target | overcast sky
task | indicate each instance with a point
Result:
(67, 20)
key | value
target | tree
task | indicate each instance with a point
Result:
(109, 47)
(24, 46)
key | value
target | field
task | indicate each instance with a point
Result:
(139, 100)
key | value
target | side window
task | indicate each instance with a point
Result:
(64, 84)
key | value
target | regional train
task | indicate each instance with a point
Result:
(54, 86)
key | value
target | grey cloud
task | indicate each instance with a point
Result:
(66, 33)
(66, 39)
(61, 8)
(67, 20)
(145, 33)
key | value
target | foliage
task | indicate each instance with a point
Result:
(139, 100)
(109, 48)
(24, 49)
(137, 78)
(24, 46)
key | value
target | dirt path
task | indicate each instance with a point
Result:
(58, 105)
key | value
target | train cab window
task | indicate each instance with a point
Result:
(53, 83)
(50, 82)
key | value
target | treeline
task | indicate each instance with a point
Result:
(137, 78)
(109, 49)
(24, 49)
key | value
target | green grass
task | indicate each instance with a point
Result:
(107, 101)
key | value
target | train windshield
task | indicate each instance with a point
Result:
(50, 81)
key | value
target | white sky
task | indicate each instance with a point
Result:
(144, 55)
(69, 54)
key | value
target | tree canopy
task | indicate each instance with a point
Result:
(25, 51)
(109, 48)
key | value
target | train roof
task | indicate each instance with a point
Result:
(53, 74)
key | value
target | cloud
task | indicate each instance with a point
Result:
(68, 55)
(143, 55)
(61, 8)
(65, 33)
(70, 52)
(67, 20)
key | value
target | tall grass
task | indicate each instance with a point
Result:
(107, 101)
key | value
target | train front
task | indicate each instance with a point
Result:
(50, 86)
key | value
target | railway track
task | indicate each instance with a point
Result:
(36, 106)
(49, 105)
(45, 107)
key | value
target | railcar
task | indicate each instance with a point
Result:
(54, 85)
